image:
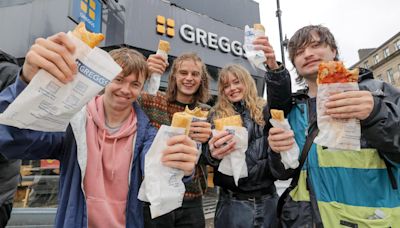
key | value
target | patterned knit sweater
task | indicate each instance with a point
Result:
(160, 112)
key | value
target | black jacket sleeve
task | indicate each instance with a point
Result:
(277, 168)
(382, 128)
(24, 143)
(279, 92)
(8, 74)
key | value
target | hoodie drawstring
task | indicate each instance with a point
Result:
(113, 159)
(101, 151)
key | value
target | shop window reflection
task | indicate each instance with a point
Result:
(39, 184)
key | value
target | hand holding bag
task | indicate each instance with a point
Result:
(299, 213)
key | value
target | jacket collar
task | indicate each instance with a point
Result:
(364, 74)
(240, 106)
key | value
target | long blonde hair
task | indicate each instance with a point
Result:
(254, 103)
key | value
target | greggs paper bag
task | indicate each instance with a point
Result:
(46, 104)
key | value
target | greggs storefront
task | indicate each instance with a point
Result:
(217, 38)
(213, 29)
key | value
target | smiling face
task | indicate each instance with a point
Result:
(309, 46)
(125, 87)
(122, 91)
(188, 80)
(308, 58)
(235, 84)
(234, 89)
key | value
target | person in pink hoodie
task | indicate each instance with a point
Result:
(102, 152)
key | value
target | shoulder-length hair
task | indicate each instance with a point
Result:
(202, 94)
(304, 37)
(254, 103)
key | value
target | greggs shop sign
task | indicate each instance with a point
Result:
(199, 36)
(209, 39)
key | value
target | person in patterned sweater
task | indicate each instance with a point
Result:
(187, 86)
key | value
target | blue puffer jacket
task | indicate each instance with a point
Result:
(70, 149)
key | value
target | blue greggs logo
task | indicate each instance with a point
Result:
(88, 11)
(91, 74)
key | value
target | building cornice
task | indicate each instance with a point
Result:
(376, 50)
(385, 60)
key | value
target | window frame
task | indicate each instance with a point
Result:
(376, 58)
(389, 75)
(397, 45)
(366, 66)
(386, 52)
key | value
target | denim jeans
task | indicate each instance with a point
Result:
(256, 212)
(5, 211)
(183, 217)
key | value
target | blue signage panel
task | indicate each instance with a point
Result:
(88, 11)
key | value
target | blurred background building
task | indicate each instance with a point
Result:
(383, 61)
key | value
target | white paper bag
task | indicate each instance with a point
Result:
(46, 104)
(234, 164)
(344, 134)
(290, 158)
(153, 84)
(162, 186)
(255, 57)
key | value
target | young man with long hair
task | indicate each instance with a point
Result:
(339, 187)
(187, 86)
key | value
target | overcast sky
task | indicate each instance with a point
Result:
(356, 24)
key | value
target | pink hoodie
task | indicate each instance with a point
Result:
(107, 172)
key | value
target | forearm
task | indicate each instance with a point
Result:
(207, 158)
(277, 168)
(22, 143)
(382, 128)
(279, 89)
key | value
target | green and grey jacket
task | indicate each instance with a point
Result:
(349, 186)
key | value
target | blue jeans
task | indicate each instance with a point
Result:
(5, 212)
(248, 213)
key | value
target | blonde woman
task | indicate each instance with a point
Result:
(253, 202)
